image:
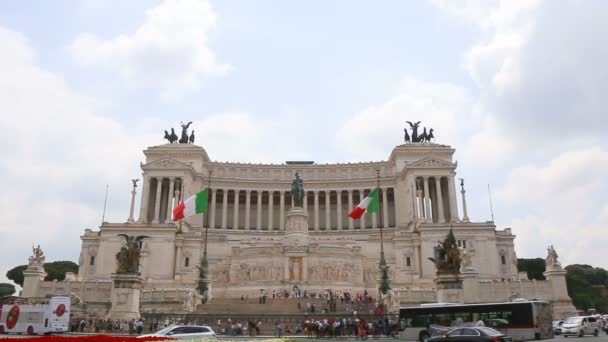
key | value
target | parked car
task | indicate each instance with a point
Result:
(580, 326)
(472, 334)
(557, 327)
(184, 332)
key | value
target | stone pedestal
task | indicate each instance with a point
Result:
(562, 304)
(295, 245)
(470, 286)
(449, 288)
(32, 277)
(126, 290)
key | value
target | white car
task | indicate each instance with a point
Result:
(580, 326)
(184, 332)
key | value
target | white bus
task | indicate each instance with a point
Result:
(522, 320)
(50, 317)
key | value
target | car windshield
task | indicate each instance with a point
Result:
(489, 331)
(573, 320)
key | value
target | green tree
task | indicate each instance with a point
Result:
(586, 286)
(533, 267)
(55, 271)
(6, 289)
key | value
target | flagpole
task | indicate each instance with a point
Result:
(204, 262)
(382, 260)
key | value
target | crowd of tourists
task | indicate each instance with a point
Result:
(108, 326)
(313, 328)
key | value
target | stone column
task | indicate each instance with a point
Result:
(270, 210)
(170, 200)
(132, 208)
(420, 204)
(235, 217)
(351, 222)
(427, 200)
(387, 220)
(465, 216)
(282, 209)
(362, 219)
(143, 205)
(316, 210)
(415, 201)
(159, 187)
(439, 196)
(452, 194)
(328, 210)
(247, 208)
(258, 224)
(339, 209)
(212, 209)
(225, 209)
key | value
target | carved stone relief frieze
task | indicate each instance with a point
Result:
(333, 271)
(256, 272)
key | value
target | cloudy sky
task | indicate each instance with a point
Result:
(517, 87)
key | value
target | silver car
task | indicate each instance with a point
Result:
(184, 332)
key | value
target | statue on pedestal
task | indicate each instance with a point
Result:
(37, 258)
(128, 256)
(447, 256)
(551, 259)
(297, 191)
(466, 257)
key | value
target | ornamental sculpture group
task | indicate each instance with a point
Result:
(127, 258)
(446, 255)
(185, 138)
(415, 137)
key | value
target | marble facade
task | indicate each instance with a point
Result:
(251, 246)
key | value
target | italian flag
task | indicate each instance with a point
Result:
(196, 204)
(370, 204)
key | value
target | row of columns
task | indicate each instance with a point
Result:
(317, 215)
(434, 206)
(162, 202)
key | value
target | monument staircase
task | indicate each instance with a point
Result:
(236, 307)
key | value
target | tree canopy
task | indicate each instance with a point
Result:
(586, 286)
(55, 271)
(6, 289)
(534, 268)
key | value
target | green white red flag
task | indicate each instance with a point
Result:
(370, 204)
(196, 204)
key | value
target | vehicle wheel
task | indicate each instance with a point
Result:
(537, 336)
(423, 336)
(30, 330)
(1, 329)
(565, 336)
(596, 333)
(581, 334)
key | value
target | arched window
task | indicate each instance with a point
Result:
(187, 262)
(503, 259)
(408, 262)
(92, 260)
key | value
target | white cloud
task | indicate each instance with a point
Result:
(169, 51)
(57, 157)
(561, 203)
(442, 106)
(541, 73)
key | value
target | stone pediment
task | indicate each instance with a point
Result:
(165, 164)
(431, 163)
(295, 249)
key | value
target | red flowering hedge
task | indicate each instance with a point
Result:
(88, 338)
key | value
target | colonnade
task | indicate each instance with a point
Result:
(435, 199)
(266, 209)
(255, 209)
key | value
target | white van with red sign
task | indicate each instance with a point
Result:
(51, 317)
